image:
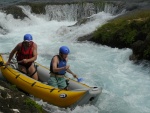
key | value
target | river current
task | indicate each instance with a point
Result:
(125, 84)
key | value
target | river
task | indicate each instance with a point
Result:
(125, 84)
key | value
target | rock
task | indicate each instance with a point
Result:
(4, 94)
(14, 101)
(86, 37)
(15, 11)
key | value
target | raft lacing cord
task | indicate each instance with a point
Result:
(33, 84)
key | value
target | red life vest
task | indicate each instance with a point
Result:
(25, 54)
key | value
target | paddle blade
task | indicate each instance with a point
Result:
(80, 79)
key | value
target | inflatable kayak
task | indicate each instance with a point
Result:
(78, 94)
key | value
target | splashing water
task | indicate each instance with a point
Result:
(125, 85)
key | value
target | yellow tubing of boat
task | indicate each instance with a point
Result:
(45, 92)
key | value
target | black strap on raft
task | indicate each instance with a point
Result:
(17, 76)
(1, 63)
(52, 89)
(60, 89)
(33, 84)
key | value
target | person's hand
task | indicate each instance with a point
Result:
(7, 63)
(75, 76)
(25, 61)
(66, 67)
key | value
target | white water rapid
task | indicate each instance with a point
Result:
(125, 85)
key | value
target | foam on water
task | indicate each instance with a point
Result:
(125, 85)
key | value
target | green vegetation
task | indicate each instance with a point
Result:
(130, 30)
(32, 103)
(13, 87)
(125, 28)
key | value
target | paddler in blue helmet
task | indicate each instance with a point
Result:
(58, 68)
(26, 54)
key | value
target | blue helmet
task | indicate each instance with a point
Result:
(64, 50)
(27, 37)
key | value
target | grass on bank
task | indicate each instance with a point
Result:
(126, 28)
(32, 103)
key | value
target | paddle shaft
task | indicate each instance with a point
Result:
(2, 63)
(15, 62)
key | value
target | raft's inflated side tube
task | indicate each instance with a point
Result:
(79, 94)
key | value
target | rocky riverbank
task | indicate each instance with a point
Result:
(14, 101)
(130, 30)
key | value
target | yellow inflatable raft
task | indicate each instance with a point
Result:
(78, 94)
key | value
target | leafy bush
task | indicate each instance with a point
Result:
(125, 29)
(32, 103)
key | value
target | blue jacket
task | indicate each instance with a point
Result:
(62, 63)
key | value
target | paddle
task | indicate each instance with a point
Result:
(79, 79)
(2, 63)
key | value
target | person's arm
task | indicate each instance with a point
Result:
(13, 52)
(69, 71)
(55, 62)
(34, 55)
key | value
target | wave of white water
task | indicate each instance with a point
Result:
(125, 85)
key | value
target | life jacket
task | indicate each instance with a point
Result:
(25, 54)
(62, 63)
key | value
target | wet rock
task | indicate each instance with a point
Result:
(3, 31)
(15, 11)
(86, 37)
(138, 49)
(4, 94)
(14, 101)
